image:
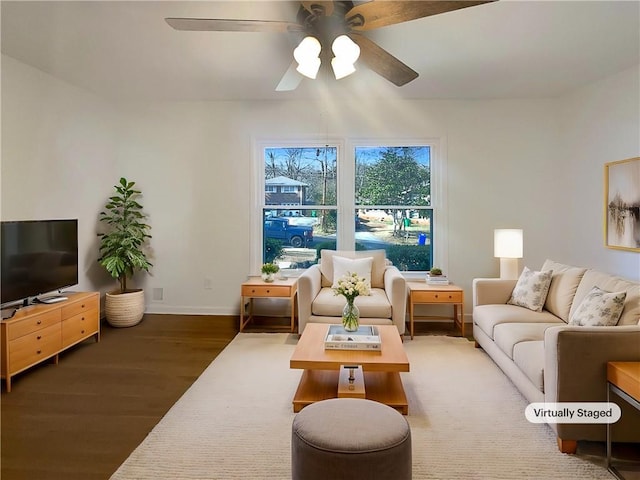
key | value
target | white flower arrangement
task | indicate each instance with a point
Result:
(351, 285)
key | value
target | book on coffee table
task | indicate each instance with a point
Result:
(365, 338)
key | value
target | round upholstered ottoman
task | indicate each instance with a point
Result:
(349, 438)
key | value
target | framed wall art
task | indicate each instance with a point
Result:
(622, 204)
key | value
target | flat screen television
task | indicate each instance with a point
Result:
(37, 257)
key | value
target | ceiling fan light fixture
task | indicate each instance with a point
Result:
(309, 68)
(341, 68)
(345, 49)
(346, 53)
(307, 54)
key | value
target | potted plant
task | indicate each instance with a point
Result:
(269, 271)
(435, 271)
(122, 253)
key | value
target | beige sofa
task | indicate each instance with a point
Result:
(385, 306)
(549, 360)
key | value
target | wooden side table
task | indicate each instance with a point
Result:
(623, 379)
(421, 293)
(255, 287)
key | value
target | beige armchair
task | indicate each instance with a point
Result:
(385, 306)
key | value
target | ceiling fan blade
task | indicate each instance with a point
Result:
(370, 15)
(382, 62)
(290, 80)
(224, 25)
(313, 7)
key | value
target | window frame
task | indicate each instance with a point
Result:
(345, 194)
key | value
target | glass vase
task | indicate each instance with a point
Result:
(350, 317)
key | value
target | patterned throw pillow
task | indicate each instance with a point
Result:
(531, 290)
(599, 309)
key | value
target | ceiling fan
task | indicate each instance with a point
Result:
(327, 20)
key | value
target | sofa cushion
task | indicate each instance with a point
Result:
(377, 268)
(329, 305)
(531, 289)
(345, 266)
(488, 316)
(599, 309)
(529, 358)
(564, 283)
(508, 335)
(609, 283)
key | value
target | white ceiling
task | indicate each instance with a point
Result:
(124, 50)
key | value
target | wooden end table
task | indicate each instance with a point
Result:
(421, 293)
(321, 377)
(623, 379)
(255, 287)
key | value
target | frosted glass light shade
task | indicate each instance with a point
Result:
(507, 243)
(341, 68)
(307, 55)
(345, 48)
(346, 53)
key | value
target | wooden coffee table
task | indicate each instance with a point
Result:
(321, 367)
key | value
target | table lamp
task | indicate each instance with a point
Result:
(507, 246)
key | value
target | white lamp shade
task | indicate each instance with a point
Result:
(507, 243)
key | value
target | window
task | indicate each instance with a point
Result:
(392, 194)
(375, 196)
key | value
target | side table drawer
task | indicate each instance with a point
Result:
(266, 291)
(436, 297)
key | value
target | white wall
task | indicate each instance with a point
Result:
(600, 124)
(58, 150)
(193, 162)
(507, 161)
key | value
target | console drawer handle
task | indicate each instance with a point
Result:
(39, 322)
(39, 352)
(39, 337)
(81, 331)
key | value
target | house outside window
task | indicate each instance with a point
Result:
(366, 197)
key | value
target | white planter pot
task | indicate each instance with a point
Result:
(124, 309)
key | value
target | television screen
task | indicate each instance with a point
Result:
(37, 256)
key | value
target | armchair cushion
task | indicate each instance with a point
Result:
(343, 266)
(377, 268)
(377, 305)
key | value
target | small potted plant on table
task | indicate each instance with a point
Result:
(269, 271)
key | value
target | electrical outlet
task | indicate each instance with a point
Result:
(157, 294)
(208, 283)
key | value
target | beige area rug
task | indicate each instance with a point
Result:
(467, 420)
